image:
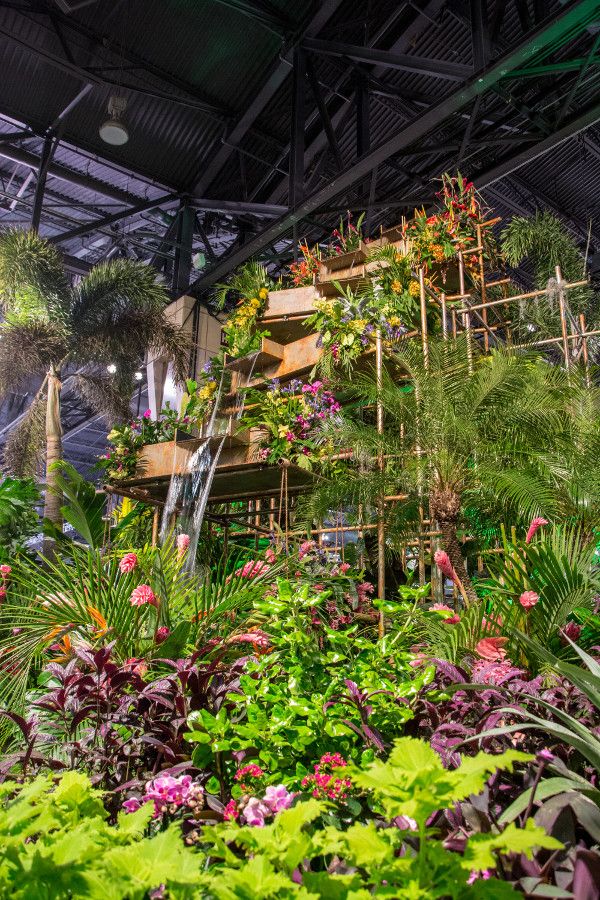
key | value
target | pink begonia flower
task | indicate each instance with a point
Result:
(405, 823)
(485, 875)
(535, 524)
(528, 599)
(442, 561)
(572, 631)
(143, 594)
(132, 805)
(5, 571)
(183, 542)
(161, 634)
(451, 619)
(128, 563)
(277, 797)
(492, 648)
(255, 811)
(148, 414)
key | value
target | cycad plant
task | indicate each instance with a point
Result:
(459, 432)
(113, 315)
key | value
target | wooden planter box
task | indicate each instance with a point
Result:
(290, 302)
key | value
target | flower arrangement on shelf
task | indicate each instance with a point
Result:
(303, 272)
(251, 283)
(120, 460)
(291, 417)
(347, 324)
(347, 237)
(435, 238)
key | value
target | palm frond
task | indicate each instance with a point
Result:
(107, 397)
(33, 283)
(24, 448)
(26, 349)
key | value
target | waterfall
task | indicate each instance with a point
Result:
(189, 491)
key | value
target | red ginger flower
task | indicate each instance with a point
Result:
(143, 594)
(128, 563)
(442, 561)
(535, 524)
(528, 599)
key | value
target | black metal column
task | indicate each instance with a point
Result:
(296, 178)
(50, 144)
(182, 267)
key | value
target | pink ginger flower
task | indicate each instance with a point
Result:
(5, 571)
(252, 569)
(143, 594)
(451, 619)
(442, 561)
(528, 599)
(305, 548)
(161, 634)
(128, 563)
(183, 542)
(345, 567)
(277, 797)
(492, 648)
(572, 631)
(255, 811)
(270, 555)
(535, 524)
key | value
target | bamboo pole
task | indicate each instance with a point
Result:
(563, 318)
(380, 503)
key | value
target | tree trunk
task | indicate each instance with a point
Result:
(444, 508)
(52, 501)
(452, 548)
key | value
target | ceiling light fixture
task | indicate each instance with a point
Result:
(111, 369)
(113, 130)
(138, 376)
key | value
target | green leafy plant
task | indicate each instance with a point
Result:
(19, 520)
(250, 284)
(56, 843)
(293, 857)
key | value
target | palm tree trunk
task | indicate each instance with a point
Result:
(452, 548)
(52, 500)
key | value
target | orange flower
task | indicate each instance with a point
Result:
(99, 620)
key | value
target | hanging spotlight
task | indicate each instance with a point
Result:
(138, 376)
(113, 130)
(111, 369)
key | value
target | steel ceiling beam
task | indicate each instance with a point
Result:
(97, 224)
(436, 68)
(533, 151)
(32, 161)
(277, 76)
(576, 17)
(264, 13)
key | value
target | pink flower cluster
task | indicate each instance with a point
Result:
(364, 590)
(167, 793)
(255, 810)
(143, 594)
(451, 619)
(251, 770)
(323, 783)
(305, 548)
(128, 563)
(492, 648)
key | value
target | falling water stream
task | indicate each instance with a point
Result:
(189, 490)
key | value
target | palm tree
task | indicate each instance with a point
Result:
(485, 433)
(115, 314)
